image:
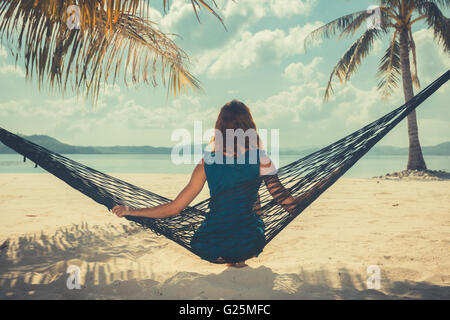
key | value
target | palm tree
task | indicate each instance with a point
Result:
(88, 51)
(397, 18)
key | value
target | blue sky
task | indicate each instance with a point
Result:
(259, 60)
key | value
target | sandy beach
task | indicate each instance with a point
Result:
(403, 227)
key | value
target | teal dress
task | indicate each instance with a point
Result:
(232, 230)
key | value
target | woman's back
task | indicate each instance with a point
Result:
(232, 230)
(227, 172)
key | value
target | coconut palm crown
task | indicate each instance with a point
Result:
(86, 42)
(399, 61)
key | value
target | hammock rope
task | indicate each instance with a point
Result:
(306, 178)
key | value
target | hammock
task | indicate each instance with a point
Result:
(306, 178)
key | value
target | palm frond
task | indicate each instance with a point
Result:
(87, 57)
(397, 14)
(437, 21)
(364, 46)
(414, 73)
(442, 3)
(352, 58)
(341, 24)
(112, 8)
(198, 4)
(390, 3)
(110, 34)
(354, 25)
(389, 71)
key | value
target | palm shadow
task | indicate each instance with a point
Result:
(263, 283)
(35, 267)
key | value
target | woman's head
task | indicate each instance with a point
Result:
(235, 118)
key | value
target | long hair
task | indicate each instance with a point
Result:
(235, 117)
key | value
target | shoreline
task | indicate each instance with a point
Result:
(422, 175)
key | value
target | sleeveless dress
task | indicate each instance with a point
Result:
(232, 230)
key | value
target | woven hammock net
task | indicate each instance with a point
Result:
(305, 179)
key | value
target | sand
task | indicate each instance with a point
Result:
(403, 227)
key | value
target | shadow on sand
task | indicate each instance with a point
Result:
(113, 266)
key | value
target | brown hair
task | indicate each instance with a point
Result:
(235, 115)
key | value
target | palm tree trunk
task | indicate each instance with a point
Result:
(415, 157)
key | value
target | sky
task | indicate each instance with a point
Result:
(259, 60)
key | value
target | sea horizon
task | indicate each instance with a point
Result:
(367, 167)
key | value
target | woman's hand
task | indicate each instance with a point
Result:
(121, 211)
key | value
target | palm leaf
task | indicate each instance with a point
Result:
(437, 21)
(442, 3)
(346, 25)
(390, 3)
(389, 70)
(110, 34)
(352, 58)
(112, 8)
(414, 73)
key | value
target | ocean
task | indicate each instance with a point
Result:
(367, 167)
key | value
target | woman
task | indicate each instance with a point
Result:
(233, 230)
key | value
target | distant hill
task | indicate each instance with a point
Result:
(442, 149)
(52, 144)
(60, 147)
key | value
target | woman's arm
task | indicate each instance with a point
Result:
(279, 192)
(282, 196)
(173, 208)
(274, 186)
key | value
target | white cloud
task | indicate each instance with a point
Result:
(299, 111)
(297, 72)
(114, 118)
(293, 105)
(238, 16)
(182, 111)
(14, 107)
(287, 8)
(356, 107)
(427, 47)
(252, 49)
(228, 9)
(7, 68)
(179, 9)
(262, 8)
(377, 46)
(436, 130)
(3, 53)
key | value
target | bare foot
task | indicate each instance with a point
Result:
(237, 265)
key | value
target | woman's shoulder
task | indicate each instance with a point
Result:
(267, 167)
